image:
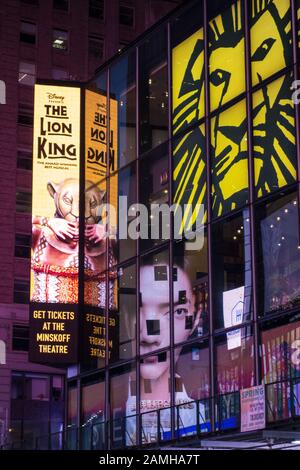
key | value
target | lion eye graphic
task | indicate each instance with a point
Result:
(219, 76)
(263, 50)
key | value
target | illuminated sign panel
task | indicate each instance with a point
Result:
(55, 224)
(274, 150)
(96, 246)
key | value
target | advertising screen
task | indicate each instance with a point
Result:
(100, 225)
(55, 224)
(274, 151)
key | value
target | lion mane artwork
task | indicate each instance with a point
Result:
(55, 243)
(273, 119)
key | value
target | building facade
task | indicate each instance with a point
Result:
(208, 113)
(64, 40)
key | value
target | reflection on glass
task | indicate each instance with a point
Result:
(154, 303)
(229, 159)
(190, 290)
(278, 255)
(153, 90)
(235, 371)
(234, 355)
(126, 189)
(189, 173)
(122, 331)
(192, 384)
(280, 362)
(154, 179)
(123, 406)
(270, 38)
(72, 405)
(92, 414)
(226, 55)
(274, 136)
(95, 244)
(231, 260)
(123, 89)
(100, 83)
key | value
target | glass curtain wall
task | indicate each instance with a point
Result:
(202, 113)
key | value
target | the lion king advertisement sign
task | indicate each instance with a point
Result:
(273, 120)
(60, 162)
(55, 224)
(101, 141)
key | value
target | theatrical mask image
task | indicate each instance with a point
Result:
(55, 244)
(272, 108)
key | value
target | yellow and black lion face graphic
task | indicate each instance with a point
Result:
(272, 108)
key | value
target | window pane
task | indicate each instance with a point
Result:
(60, 40)
(72, 405)
(95, 249)
(28, 32)
(37, 387)
(280, 363)
(57, 391)
(190, 289)
(235, 371)
(96, 9)
(22, 246)
(60, 74)
(27, 73)
(21, 291)
(23, 201)
(92, 414)
(62, 5)
(154, 306)
(96, 48)
(123, 89)
(20, 338)
(187, 68)
(192, 383)
(24, 160)
(270, 38)
(155, 395)
(274, 136)
(25, 115)
(231, 261)
(189, 176)
(153, 90)
(17, 386)
(126, 189)
(122, 332)
(154, 178)
(123, 406)
(229, 160)
(227, 55)
(126, 15)
(278, 255)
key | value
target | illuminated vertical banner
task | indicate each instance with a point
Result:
(189, 159)
(96, 231)
(55, 225)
